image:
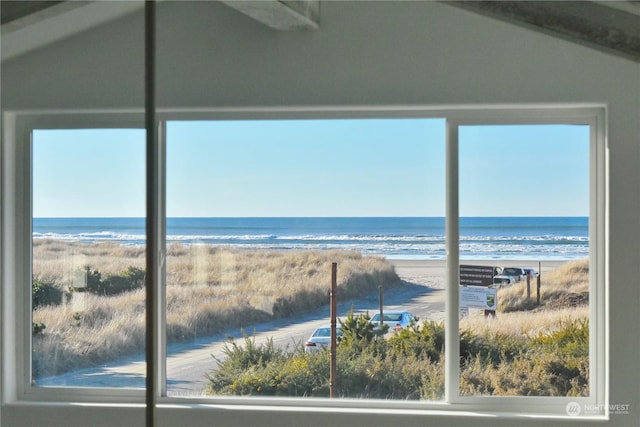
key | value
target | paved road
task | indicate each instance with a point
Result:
(188, 364)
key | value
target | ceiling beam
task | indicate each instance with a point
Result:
(592, 24)
(284, 15)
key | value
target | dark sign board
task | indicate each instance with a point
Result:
(476, 275)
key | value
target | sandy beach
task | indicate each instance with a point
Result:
(432, 273)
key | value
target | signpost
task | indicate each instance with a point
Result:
(475, 291)
(477, 275)
(478, 297)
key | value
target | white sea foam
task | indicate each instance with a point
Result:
(390, 237)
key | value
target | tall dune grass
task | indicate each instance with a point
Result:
(564, 297)
(564, 286)
(209, 289)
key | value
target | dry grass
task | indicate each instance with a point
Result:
(523, 323)
(56, 261)
(209, 289)
(565, 286)
(563, 297)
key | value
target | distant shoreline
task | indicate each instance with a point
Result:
(513, 238)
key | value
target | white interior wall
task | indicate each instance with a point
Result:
(379, 53)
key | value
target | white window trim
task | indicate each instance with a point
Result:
(18, 396)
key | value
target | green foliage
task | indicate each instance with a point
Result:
(571, 339)
(492, 349)
(555, 364)
(44, 294)
(364, 369)
(37, 328)
(409, 365)
(77, 319)
(358, 330)
(128, 280)
(422, 340)
(233, 370)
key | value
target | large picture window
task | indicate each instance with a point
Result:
(481, 262)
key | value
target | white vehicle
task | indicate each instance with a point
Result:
(320, 338)
(509, 275)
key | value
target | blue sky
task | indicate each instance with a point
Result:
(372, 167)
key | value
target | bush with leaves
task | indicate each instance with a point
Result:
(365, 368)
(410, 364)
(232, 371)
(422, 340)
(128, 280)
(358, 332)
(44, 294)
(555, 364)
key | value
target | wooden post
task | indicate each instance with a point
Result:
(333, 346)
(381, 301)
(528, 286)
(538, 283)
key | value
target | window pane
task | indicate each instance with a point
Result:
(524, 249)
(88, 258)
(257, 213)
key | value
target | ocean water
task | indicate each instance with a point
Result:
(530, 238)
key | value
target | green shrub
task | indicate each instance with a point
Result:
(555, 364)
(44, 294)
(409, 364)
(492, 347)
(571, 339)
(423, 340)
(363, 369)
(359, 332)
(128, 280)
(37, 328)
(240, 363)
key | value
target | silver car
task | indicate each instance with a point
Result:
(320, 338)
(396, 320)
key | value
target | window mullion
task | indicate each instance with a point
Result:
(160, 294)
(156, 236)
(452, 231)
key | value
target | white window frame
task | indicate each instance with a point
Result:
(18, 395)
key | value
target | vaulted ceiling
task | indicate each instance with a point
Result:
(610, 26)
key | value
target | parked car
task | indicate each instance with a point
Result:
(320, 338)
(510, 275)
(396, 320)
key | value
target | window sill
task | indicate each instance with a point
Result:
(202, 414)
